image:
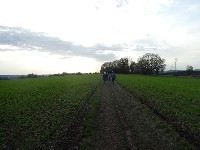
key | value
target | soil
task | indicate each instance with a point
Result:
(121, 122)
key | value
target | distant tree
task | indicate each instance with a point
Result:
(64, 74)
(189, 70)
(78, 73)
(147, 64)
(132, 67)
(150, 63)
(104, 67)
(32, 75)
(124, 65)
(118, 66)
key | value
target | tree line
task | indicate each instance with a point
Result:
(149, 63)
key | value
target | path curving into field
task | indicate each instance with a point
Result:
(122, 122)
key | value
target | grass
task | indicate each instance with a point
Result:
(176, 98)
(31, 110)
(89, 121)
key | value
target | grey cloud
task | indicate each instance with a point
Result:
(150, 44)
(146, 42)
(142, 48)
(22, 38)
(25, 39)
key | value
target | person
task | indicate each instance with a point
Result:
(109, 77)
(113, 76)
(105, 77)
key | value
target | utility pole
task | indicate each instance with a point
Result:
(176, 59)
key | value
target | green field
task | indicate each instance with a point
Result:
(176, 99)
(32, 110)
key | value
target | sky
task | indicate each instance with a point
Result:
(55, 36)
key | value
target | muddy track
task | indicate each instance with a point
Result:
(122, 122)
(111, 129)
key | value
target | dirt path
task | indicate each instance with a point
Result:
(117, 121)
(111, 128)
(122, 122)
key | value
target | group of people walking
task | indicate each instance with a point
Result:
(109, 76)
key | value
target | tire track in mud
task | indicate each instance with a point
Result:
(147, 129)
(122, 122)
(111, 131)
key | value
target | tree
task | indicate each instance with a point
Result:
(123, 65)
(150, 63)
(147, 64)
(189, 70)
(118, 66)
(132, 67)
(32, 75)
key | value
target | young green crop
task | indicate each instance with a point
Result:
(177, 98)
(31, 110)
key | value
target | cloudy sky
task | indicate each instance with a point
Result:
(55, 36)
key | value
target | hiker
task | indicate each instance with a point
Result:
(113, 76)
(109, 77)
(105, 77)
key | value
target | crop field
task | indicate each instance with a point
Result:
(33, 110)
(79, 111)
(175, 99)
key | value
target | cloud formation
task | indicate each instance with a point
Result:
(113, 29)
(27, 40)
